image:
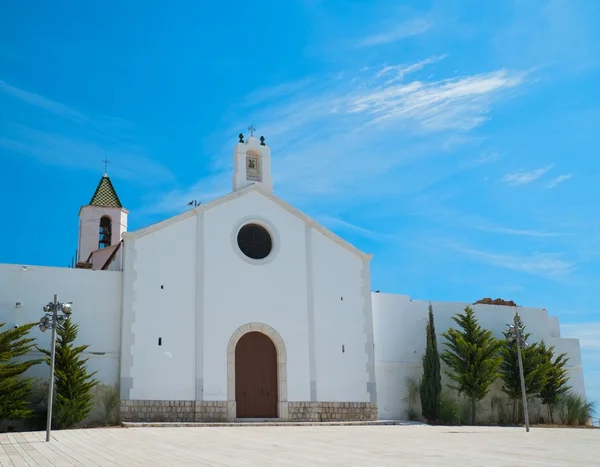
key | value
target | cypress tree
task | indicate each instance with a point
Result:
(73, 384)
(431, 383)
(14, 388)
(472, 354)
(555, 385)
(535, 369)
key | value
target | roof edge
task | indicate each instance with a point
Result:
(236, 194)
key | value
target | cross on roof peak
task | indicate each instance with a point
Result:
(251, 129)
(106, 161)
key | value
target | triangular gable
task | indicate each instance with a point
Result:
(252, 188)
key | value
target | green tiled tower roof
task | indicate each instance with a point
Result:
(105, 194)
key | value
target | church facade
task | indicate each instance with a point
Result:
(242, 308)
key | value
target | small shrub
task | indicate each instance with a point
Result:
(412, 399)
(449, 412)
(573, 409)
(501, 412)
(38, 402)
(109, 401)
(465, 411)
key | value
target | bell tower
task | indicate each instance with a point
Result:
(101, 222)
(252, 163)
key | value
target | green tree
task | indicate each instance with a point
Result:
(14, 388)
(535, 369)
(431, 383)
(555, 386)
(73, 384)
(472, 354)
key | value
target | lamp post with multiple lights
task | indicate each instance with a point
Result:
(51, 320)
(516, 333)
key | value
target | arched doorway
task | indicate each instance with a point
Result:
(256, 376)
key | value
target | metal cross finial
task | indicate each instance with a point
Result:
(251, 129)
(105, 164)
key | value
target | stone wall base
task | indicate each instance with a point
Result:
(331, 411)
(217, 411)
(173, 411)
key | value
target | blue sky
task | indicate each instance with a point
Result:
(457, 141)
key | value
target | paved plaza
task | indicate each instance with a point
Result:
(304, 446)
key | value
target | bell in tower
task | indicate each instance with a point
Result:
(252, 163)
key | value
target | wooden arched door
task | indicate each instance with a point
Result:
(255, 376)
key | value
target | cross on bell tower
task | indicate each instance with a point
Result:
(251, 129)
(106, 161)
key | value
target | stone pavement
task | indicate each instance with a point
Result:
(304, 446)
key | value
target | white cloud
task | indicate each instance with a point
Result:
(39, 101)
(335, 223)
(523, 177)
(337, 136)
(177, 200)
(456, 104)
(72, 139)
(128, 161)
(410, 28)
(539, 264)
(557, 180)
(400, 71)
(485, 158)
(587, 333)
(525, 233)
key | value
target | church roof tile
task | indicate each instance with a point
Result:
(105, 194)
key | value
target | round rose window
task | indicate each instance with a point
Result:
(255, 241)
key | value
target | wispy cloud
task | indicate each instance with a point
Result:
(557, 180)
(345, 134)
(587, 333)
(485, 158)
(400, 71)
(43, 103)
(518, 232)
(128, 161)
(335, 223)
(410, 28)
(523, 177)
(457, 104)
(176, 200)
(540, 264)
(70, 138)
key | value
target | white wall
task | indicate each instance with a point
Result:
(211, 289)
(96, 297)
(400, 341)
(161, 298)
(339, 321)
(237, 292)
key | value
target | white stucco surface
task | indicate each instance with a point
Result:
(96, 297)
(309, 290)
(400, 341)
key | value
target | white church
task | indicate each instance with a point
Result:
(242, 308)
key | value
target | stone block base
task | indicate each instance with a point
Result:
(331, 411)
(217, 411)
(173, 411)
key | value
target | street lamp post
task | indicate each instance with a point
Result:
(51, 320)
(516, 333)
